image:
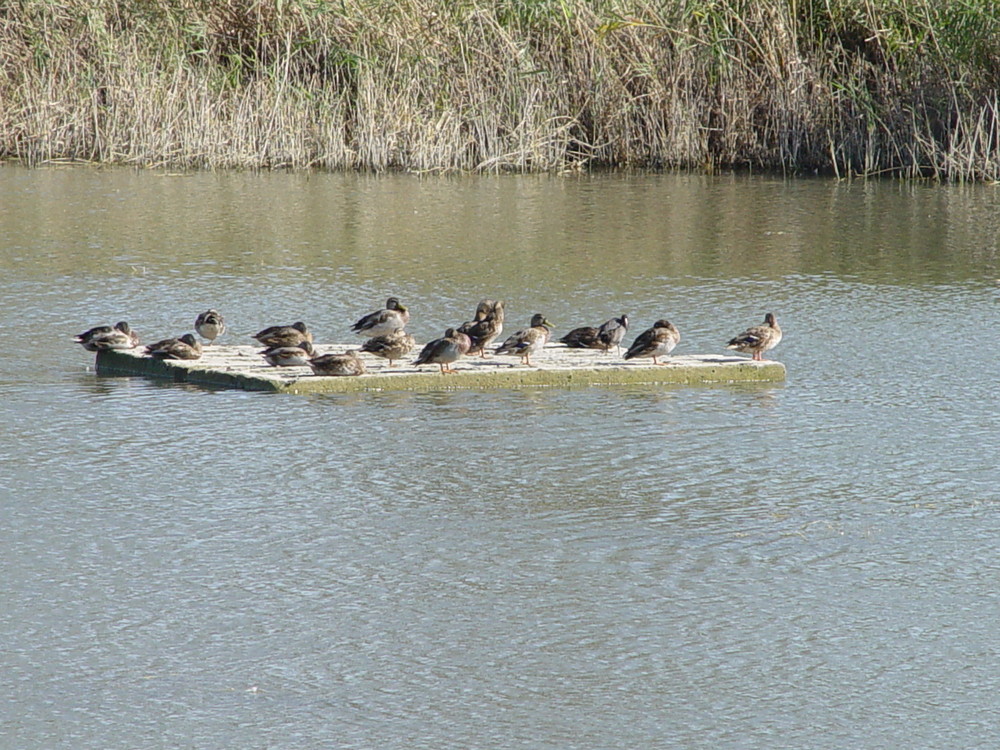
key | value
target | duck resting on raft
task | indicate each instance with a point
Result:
(758, 339)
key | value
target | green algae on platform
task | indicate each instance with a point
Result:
(240, 367)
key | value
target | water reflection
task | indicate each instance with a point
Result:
(77, 222)
(515, 567)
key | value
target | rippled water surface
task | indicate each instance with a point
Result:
(810, 564)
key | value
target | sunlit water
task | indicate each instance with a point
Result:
(810, 564)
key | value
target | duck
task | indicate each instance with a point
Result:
(184, 347)
(120, 337)
(292, 335)
(445, 350)
(654, 342)
(86, 339)
(210, 325)
(102, 338)
(529, 340)
(391, 346)
(394, 317)
(611, 332)
(338, 365)
(486, 326)
(484, 308)
(758, 339)
(584, 337)
(289, 356)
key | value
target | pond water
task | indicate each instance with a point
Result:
(809, 564)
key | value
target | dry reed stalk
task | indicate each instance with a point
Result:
(847, 86)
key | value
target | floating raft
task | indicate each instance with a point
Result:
(242, 367)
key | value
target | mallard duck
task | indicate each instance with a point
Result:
(392, 346)
(338, 365)
(210, 325)
(654, 342)
(100, 338)
(86, 339)
(527, 341)
(584, 337)
(485, 326)
(758, 339)
(289, 356)
(443, 351)
(185, 347)
(484, 308)
(292, 335)
(381, 322)
(120, 337)
(611, 333)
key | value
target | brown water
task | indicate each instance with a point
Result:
(811, 564)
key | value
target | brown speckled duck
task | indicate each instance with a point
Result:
(758, 339)
(292, 335)
(391, 346)
(185, 347)
(86, 339)
(394, 317)
(654, 342)
(529, 340)
(102, 338)
(338, 365)
(445, 350)
(289, 356)
(485, 326)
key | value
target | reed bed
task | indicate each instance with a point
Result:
(847, 87)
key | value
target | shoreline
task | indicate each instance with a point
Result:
(844, 88)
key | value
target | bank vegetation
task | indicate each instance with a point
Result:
(845, 87)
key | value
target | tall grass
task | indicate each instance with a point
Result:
(849, 87)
